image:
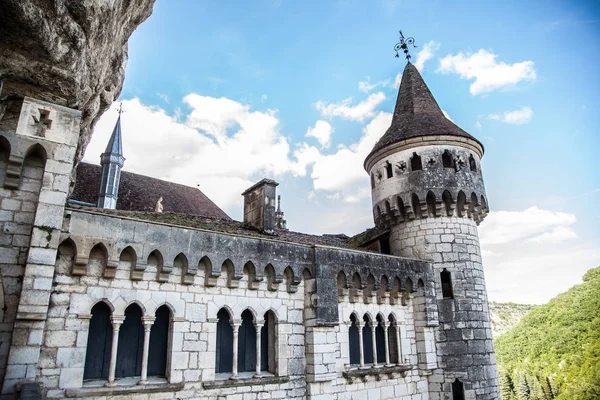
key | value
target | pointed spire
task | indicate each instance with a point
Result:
(115, 145)
(417, 113)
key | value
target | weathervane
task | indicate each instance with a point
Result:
(403, 45)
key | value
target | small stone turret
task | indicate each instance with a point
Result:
(112, 161)
(428, 191)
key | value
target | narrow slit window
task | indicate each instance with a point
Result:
(472, 163)
(446, 284)
(447, 159)
(388, 170)
(458, 390)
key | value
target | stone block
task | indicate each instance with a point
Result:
(70, 357)
(70, 378)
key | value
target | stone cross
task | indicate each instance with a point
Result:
(43, 123)
(431, 162)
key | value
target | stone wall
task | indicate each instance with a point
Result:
(464, 339)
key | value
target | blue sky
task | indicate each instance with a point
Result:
(221, 94)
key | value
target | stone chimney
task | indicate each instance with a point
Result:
(259, 206)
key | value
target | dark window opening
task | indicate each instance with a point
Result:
(247, 343)
(472, 163)
(384, 245)
(159, 339)
(131, 342)
(446, 284)
(393, 342)
(416, 205)
(99, 344)
(380, 341)
(447, 159)
(372, 181)
(367, 342)
(224, 353)
(388, 170)
(354, 345)
(447, 199)
(415, 162)
(268, 343)
(458, 390)
(431, 204)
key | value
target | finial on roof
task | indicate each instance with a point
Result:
(120, 109)
(403, 45)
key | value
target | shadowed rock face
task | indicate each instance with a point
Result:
(69, 52)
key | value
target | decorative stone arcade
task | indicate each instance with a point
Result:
(428, 192)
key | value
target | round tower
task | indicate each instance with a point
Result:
(428, 192)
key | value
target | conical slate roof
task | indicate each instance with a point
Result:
(417, 113)
(115, 145)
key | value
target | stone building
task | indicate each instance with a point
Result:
(102, 297)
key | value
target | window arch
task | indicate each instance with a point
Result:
(131, 340)
(447, 199)
(458, 390)
(99, 343)
(416, 205)
(268, 343)
(447, 159)
(159, 340)
(224, 353)
(446, 284)
(380, 339)
(460, 203)
(247, 343)
(431, 204)
(367, 337)
(354, 340)
(415, 162)
(393, 340)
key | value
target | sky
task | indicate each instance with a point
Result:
(219, 94)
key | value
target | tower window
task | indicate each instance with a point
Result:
(447, 159)
(446, 284)
(458, 390)
(372, 181)
(415, 162)
(388, 170)
(472, 163)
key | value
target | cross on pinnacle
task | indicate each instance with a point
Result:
(42, 123)
(403, 45)
(120, 109)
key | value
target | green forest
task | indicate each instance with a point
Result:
(554, 351)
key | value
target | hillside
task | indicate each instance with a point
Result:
(554, 352)
(504, 316)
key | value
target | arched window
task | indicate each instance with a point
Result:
(388, 170)
(458, 390)
(393, 340)
(415, 162)
(430, 199)
(268, 343)
(131, 342)
(159, 339)
(353, 340)
(447, 159)
(367, 336)
(247, 343)
(472, 163)
(416, 205)
(224, 351)
(446, 284)
(460, 203)
(99, 343)
(400, 205)
(380, 339)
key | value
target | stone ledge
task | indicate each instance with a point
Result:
(264, 380)
(120, 390)
(363, 373)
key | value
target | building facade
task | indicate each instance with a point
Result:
(105, 298)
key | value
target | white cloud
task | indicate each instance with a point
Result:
(359, 112)
(509, 226)
(489, 74)
(222, 147)
(367, 86)
(447, 115)
(263, 98)
(426, 54)
(516, 117)
(322, 132)
(477, 124)
(530, 256)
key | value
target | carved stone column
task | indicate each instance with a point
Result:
(234, 367)
(258, 349)
(384, 324)
(361, 350)
(373, 326)
(116, 320)
(148, 322)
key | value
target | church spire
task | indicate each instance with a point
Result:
(112, 161)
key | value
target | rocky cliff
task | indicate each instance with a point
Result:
(504, 316)
(69, 52)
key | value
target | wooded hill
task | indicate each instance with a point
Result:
(554, 352)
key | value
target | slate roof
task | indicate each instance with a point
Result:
(226, 226)
(140, 193)
(115, 145)
(417, 113)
